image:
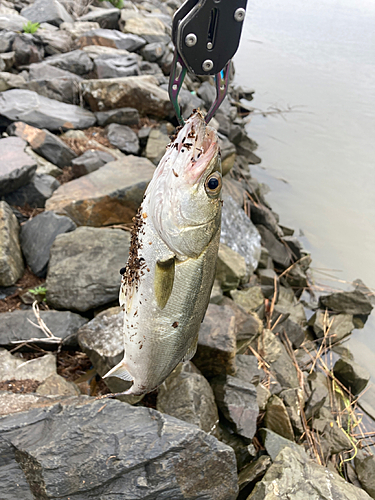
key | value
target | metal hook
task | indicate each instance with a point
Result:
(175, 83)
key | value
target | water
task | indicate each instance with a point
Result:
(312, 65)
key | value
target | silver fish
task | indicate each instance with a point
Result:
(167, 282)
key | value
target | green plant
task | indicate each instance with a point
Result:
(39, 291)
(30, 27)
(116, 3)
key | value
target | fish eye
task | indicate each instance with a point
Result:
(213, 184)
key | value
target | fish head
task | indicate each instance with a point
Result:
(184, 195)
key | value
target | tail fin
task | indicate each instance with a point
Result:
(120, 371)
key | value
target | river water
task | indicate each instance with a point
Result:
(312, 65)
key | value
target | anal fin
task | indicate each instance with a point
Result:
(192, 350)
(164, 279)
(120, 371)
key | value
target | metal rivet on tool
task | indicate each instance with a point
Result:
(209, 45)
(191, 39)
(239, 15)
(207, 65)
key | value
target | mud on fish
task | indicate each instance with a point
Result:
(168, 278)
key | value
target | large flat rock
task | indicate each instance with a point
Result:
(47, 11)
(42, 112)
(110, 195)
(140, 92)
(16, 166)
(83, 271)
(11, 261)
(84, 448)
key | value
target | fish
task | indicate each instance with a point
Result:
(167, 282)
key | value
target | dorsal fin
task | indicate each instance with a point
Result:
(164, 278)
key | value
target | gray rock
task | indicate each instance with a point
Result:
(47, 11)
(11, 262)
(278, 252)
(84, 268)
(76, 61)
(107, 18)
(15, 327)
(359, 285)
(239, 233)
(16, 166)
(7, 61)
(249, 298)
(354, 302)
(295, 476)
(217, 342)
(27, 49)
(288, 304)
(123, 138)
(247, 369)
(12, 22)
(143, 24)
(294, 331)
(149, 68)
(260, 214)
(365, 469)
(277, 418)
(245, 148)
(78, 28)
(237, 400)
(41, 112)
(263, 395)
(111, 38)
(153, 455)
(122, 116)
(319, 394)
(89, 161)
(187, 395)
(6, 40)
(231, 268)
(274, 443)
(294, 401)
(332, 438)
(13, 368)
(253, 472)
(117, 67)
(352, 375)
(35, 194)
(37, 236)
(207, 92)
(188, 102)
(337, 327)
(57, 385)
(228, 154)
(224, 123)
(63, 88)
(44, 143)
(157, 141)
(11, 81)
(141, 92)
(56, 42)
(153, 51)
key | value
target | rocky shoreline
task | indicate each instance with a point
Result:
(270, 404)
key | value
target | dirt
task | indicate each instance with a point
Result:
(66, 176)
(19, 386)
(27, 281)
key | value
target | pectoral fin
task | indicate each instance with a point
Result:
(120, 371)
(164, 278)
(192, 350)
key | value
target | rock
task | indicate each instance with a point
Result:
(107, 18)
(117, 67)
(249, 298)
(76, 61)
(12, 22)
(253, 472)
(239, 233)
(122, 116)
(46, 11)
(7, 61)
(294, 401)
(237, 400)
(101, 52)
(44, 166)
(89, 161)
(84, 266)
(187, 395)
(13, 368)
(111, 38)
(184, 461)
(365, 469)
(56, 42)
(319, 394)
(246, 148)
(37, 236)
(275, 354)
(153, 51)
(16, 167)
(228, 154)
(11, 262)
(267, 276)
(277, 418)
(11, 81)
(146, 26)
(188, 102)
(292, 471)
(110, 195)
(6, 39)
(337, 327)
(265, 261)
(123, 138)
(57, 385)
(41, 112)
(333, 438)
(360, 286)
(260, 214)
(288, 304)
(34, 194)
(43, 143)
(157, 141)
(274, 443)
(354, 302)
(294, 331)
(63, 86)
(140, 92)
(230, 268)
(15, 326)
(27, 49)
(217, 342)
(78, 28)
(352, 375)
(263, 395)
(278, 252)
(207, 92)
(247, 369)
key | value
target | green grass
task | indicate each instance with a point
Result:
(30, 27)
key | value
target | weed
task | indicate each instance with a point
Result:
(30, 27)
